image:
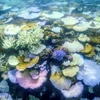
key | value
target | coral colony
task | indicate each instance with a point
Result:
(49, 49)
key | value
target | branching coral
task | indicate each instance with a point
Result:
(3, 66)
(29, 38)
(8, 42)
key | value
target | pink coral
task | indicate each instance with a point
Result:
(26, 81)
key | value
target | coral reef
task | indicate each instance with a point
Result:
(49, 51)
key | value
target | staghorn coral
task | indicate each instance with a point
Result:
(8, 42)
(29, 38)
(3, 64)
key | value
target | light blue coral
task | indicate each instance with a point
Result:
(89, 73)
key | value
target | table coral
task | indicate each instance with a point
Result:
(25, 80)
(22, 66)
(70, 71)
(74, 91)
(89, 73)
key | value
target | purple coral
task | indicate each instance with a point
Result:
(26, 80)
(11, 76)
(59, 55)
(29, 79)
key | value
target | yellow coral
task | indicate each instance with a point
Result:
(59, 81)
(91, 53)
(94, 39)
(87, 48)
(56, 76)
(33, 61)
(28, 26)
(71, 71)
(22, 66)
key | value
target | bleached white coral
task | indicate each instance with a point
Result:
(77, 60)
(74, 46)
(11, 29)
(89, 73)
(69, 20)
(74, 91)
(8, 42)
(29, 38)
